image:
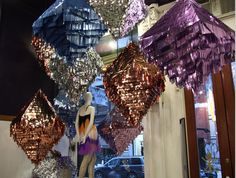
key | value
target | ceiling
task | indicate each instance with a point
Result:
(20, 73)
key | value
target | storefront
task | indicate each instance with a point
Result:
(183, 134)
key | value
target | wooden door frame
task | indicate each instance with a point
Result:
(6, 117)
(194, 169)
(224, 95)
(221, 121)
(229, 91)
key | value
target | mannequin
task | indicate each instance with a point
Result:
(87, 136)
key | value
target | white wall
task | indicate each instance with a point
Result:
(162, 129)
(229, 19)
(162, 135)
(13, 161)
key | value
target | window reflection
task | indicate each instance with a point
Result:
(233, 65)
(208, 146)
(108, 164)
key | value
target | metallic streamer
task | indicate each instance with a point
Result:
(115, 120)
(37, 128)
(120, 16)
(53, 166)
(70, 26)
(115, 132)
(132, 84)
(136, 12)
(188, 43)
(75, 79)
(44, 52)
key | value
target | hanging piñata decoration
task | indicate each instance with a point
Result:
(188, 43)
(116, 120)
(37, 128)
(120, 16)
(68, 116)
(116, 134)
(44, 52)
(136, 12)
(55, 166)
(75, 79)
(70, 26)
(132, 84)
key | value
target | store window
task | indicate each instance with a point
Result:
(136, 161)
(130, 163)
(131, 159)
(207, 136)
(112, 163)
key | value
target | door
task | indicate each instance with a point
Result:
(210, 116)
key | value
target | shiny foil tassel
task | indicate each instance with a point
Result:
(132, 84)
(75, 79)
(53, 166)
(135, 12)
(70, 26)
(188, 44)
(120, 16)
(116, 133)
(37, 128)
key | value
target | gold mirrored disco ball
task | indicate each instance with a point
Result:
(116, 134)
(132, 84)
(37, 128)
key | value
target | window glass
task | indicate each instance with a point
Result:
(125, 161)
(136, 161)
(107, 49)
(207, 135)
(113, 162)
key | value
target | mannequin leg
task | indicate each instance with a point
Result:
(84, 165)
(91, 166)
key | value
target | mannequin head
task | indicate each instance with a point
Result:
(88, 97)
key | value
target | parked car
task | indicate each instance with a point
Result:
(207, 175)
(123, 167)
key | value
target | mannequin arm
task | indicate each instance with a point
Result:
(92, 114)
(77, 126)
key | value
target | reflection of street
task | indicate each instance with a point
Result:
(208, 147)
(134, 149)
(103, 108)
(122, 167)
(108, 45)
